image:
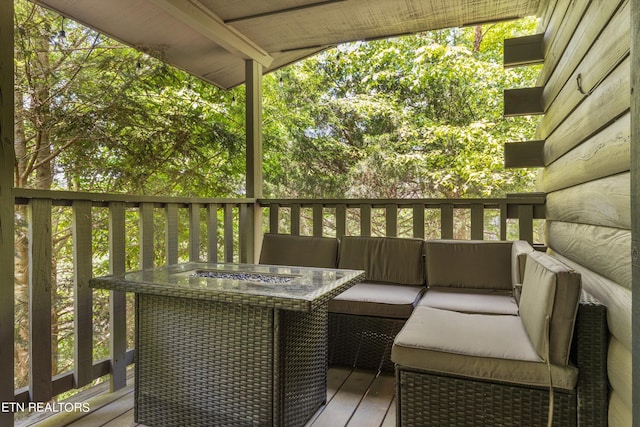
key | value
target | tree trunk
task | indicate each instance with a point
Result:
(33, 169)
(477, 40)
(21, 259)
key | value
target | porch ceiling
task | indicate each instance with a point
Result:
(212, 38)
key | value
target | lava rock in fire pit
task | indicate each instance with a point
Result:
(247, 277)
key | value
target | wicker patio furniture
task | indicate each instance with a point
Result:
(364, 320)
(304, 251)
(459, 367)
(241, 351)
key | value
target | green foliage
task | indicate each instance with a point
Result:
(415, 116)
(116, 119)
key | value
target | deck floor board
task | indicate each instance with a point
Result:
(108, 413)
(355, 398)
(375, 404)
(339, 410)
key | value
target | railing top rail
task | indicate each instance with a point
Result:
(520, 198)
(65, 198)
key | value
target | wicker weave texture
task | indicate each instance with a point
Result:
(590, 354)
(304, 357)
(427, 398)
(204, 363)
(362, 341)
(437, 400)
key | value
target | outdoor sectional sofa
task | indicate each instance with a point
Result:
(364, 320)
(475, 330)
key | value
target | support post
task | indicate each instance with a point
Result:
(40, 340)
(635, 206)
(6, 210)
(117, 299)
(253, 71)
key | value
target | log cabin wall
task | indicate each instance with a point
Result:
(586, 154)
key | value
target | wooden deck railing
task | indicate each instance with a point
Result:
(228, 227)
(40, 207)
(420, 218)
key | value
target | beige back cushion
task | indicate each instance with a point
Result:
(552, 289)
(473, 264)
(303, 251)
(519, 251)
(384, 259)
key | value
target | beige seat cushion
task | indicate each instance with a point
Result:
(303, 251)
(479, 346)
(472, 264)
(384, 259)
(377, 299)
(550, 288)
(466, 302)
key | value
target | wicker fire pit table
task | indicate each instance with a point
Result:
(230, 344)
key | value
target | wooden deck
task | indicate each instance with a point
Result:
(354, 398)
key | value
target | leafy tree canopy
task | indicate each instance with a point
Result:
(415, 116)
(94, 115)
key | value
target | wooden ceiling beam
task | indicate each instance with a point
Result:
(523, 101)
(211, 26)
(525, 154)
(527, 50)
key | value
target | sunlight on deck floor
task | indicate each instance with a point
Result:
(355, 397)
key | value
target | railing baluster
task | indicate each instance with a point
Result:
(146, 235)
(341, 220)
(391, 214)
(295, 219)
(228, 232)
(254, 231)
(40, 249)
(274, 220)
(446, 221)
(212, 232)
(418, 221)
(194, 232)
(171, 233)
(83, 301)
(365, 220)
(525, 222)
(503, 221)
(245, 234)
(317, 220)
(477, 221)
(117, 299)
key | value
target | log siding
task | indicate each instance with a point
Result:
(586, 128)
